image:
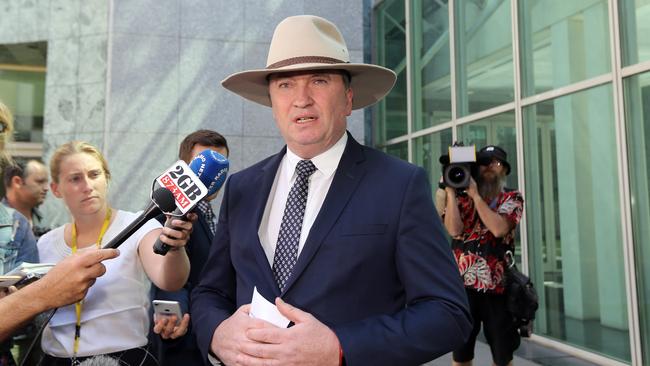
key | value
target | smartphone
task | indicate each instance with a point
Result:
(168, 308)
(6, 281)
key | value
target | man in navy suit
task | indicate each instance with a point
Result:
(344, 238)
(176, 345)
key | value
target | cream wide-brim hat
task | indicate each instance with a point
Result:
(307, 42)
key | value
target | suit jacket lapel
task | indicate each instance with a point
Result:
(346, 180)
(264, 181)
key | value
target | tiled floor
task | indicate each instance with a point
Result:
(482, 357)
(528, 354)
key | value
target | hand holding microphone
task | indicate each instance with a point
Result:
(204, 176)
(176, 232)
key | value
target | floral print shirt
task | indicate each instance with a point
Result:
(479, 254)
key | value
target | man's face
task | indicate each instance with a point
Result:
(493, 171)
(197, 149)
(34, 187)
(310, 109)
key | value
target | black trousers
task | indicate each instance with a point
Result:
(501, 334)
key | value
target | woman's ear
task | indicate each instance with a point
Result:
(54, 187)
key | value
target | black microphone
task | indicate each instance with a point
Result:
(210, 168)
(162, 200)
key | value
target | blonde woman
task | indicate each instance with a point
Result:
(64, 284)
(113, 318)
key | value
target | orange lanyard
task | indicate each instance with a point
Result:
(78, 306)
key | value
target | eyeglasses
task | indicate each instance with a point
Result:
(492, 162)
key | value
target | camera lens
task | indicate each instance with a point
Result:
(457, 175)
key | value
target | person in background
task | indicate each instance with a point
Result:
(113, 318)
(177, 344)
(482, 224)
(26, 186)
(17, 243)
(342, 237)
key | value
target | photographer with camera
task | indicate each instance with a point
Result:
(482, 222)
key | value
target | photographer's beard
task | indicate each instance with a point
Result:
(490, 184)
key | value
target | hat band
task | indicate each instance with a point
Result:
(305, 60)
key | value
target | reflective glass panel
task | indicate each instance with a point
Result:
(637, 117)
(22, 87)
(427, 150)
(430, 45)
(400, 150)
(562, 42)
(634, 20)
(391, 112)
(574, 221)
(497, 130)
(483, 55)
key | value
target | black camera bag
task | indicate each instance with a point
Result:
(521, 297)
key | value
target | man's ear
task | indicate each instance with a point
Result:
(16, 181)
(349, 97)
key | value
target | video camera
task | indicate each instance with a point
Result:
(459, 166)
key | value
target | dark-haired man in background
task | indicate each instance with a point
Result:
(26, 186)
(177, 345)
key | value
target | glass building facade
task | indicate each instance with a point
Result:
(22, 89)
(564, 87)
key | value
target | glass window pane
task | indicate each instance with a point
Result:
(562, 42)
(22, 87)
(637, 116)
(574, 221)
(426, 151)
(430, 45)
(400, 150)
(634, 20)
(497, 130)
(391, 112)
(483, 55)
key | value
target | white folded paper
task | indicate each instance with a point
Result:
(263, 309)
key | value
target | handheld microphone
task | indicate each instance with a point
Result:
(211, 169)
(162, 200)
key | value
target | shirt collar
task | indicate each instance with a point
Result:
(326, 162)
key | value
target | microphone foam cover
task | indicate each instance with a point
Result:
(164, 199)
(211, 168)
(100, 361)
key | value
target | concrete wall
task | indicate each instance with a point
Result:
(134, 77)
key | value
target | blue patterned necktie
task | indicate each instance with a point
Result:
(206, 209)
(286, 251)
